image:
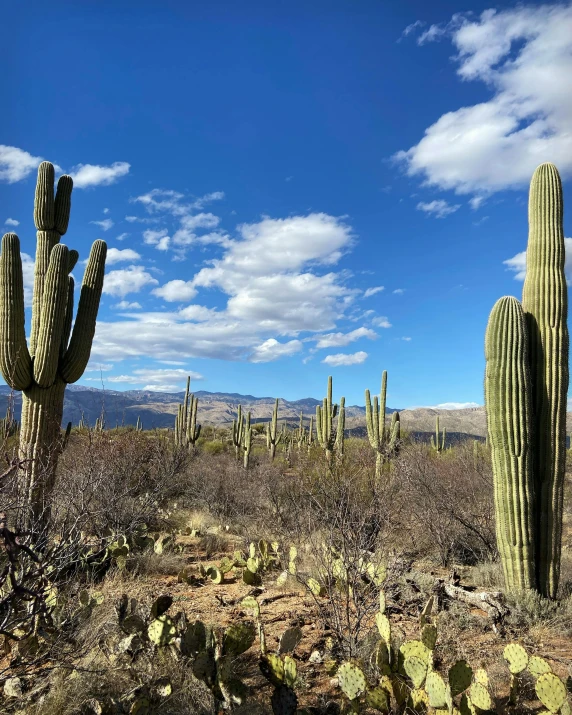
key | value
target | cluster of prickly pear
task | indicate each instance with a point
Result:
(331, 440)
(550, 689)
(438, 441)
(261, 557)
(187, 432)
(385, 441)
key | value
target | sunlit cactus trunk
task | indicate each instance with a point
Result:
(545, 304)
(527, 369)
(53, 359)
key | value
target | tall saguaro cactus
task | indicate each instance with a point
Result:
(53, 359)
(330, 439)
(187, 431)
(383, 441)
(543, 329)
(273, 437)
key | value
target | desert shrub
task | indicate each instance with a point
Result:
(449, 499)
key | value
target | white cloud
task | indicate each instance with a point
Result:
(518, 262)
(116, 255)
(11, 222)
(372, 291)
(160, 380)
(86, 175)
(381, 321)
(122, 236)
(446, 406)
(343, 359)
(105, 211)
(176, 291)
(16, 164)
(98, 367)
(126, 305)
(28, 276)
(337, 340)
(476, 202)
(437, 208)
(271, 349)
(406, 339)
(158, 238)
(127, 280)
(411, 28)
(523, 56)
(105, 224)
(399, 291)
(197, 313)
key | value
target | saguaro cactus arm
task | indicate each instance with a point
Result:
(77, 355)
(15, 361)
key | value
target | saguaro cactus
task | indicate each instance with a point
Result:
(384, 441)
(330, 439)
(53, 359)
(273, 437)
(509, 415)
(438, 441)
(545, 311)
(187, 431)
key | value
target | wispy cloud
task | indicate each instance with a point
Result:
(372, 291)
(337, 340)
(126, 305)
(437, 208)
(105, 224)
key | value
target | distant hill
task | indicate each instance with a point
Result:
(158, 409)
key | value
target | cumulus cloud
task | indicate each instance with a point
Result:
(127, 280)
(87, 175)
(105, 224)
(437, 208)
(336, 340)
(446, 406)
(116, 255)
(16, 164)
(176, 291)
(158, 238)
(126, 305)
(11, 222)
(343, 359)
(372, 291)
(271, 350)
(518, 263)
(523, 57)
(381, 321)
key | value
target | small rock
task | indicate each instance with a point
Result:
(13, 688)
(315, 657)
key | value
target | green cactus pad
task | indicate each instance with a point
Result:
(466, 706)
(290, 639)
(193, 639)
(226, 565)
(141, 706)
(284, 701)
(204, 666)
(516, 657)
(251, 604)
(272, 668)
(381, 657)
(460, 677)
(161, 631)
(351, 680)
(315, 587)
(436, 690)
(163, 688)
(416, 669)
(429, 635)
(250, 578)
(417, 649)
(214, 574)
(238, 638)
(384, 627)
(290, 671)
(538, 666)
(482, 677)
(252, 550)
(551, 691)
(376, 572)
(378, 699)
(252, 564)
(480, 697)
(132, 624)
(161, 605)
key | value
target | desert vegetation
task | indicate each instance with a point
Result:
(264, 569)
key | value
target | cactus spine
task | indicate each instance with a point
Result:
(509, 416)
(273, 437)
(384, 441)
(330, 440)
(52, 359)
(539, 386)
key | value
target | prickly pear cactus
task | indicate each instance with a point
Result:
(551, 692)
(162, 631)
(351, 680)
(516, 657)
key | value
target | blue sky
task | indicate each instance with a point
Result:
(261, 170)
